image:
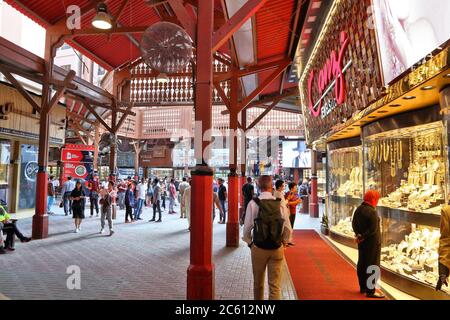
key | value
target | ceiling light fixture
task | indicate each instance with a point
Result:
(409, 97)
(428, 88)
(395, 105)
(162, 78)
(102, 19)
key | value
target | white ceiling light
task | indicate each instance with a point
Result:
(102, 19)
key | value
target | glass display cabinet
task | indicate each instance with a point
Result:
(345, 187)
(406, 160)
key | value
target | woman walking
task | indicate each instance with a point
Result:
(129, 203)
(77, 196)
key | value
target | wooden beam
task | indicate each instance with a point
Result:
(60, 92)
(21, 89)
(122, 119)
(235, 22)
(262, 86)
(92, 110)
(188, 23)
(80, 118)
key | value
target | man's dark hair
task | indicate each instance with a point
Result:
(249, 179)
(184, 179)
(156, 180)
(292, 185)
(278, 184)
(265, 182)
(69, 178)
(52, 177)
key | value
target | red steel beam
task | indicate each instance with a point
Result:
(263, 85)
(235, 22)
(188, 23)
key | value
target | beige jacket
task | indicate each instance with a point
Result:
(444, 241)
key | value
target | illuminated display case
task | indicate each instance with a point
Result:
(345, 187)
(406, 160)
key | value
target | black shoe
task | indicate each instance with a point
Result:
(151, 220)
(159, 220)
(139, 218)
(362, 291)
(10, 249)
(2, 251)
(26, 239)
(375, 295)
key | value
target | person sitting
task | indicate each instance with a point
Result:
(10, 228)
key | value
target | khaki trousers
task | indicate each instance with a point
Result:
(273, 261)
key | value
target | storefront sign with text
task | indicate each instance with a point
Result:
(332, 74)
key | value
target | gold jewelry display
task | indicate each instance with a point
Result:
(399, 154)
(386, 150)
(393, 158)
(380, 152)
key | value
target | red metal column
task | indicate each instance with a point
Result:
(313, 199)
(233, 186)
(200, 274)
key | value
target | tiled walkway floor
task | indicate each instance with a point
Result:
(140, 261)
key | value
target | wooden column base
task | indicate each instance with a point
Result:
(40, 218)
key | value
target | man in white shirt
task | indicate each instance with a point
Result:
(67, 189)
(272, 259)
(141, 190)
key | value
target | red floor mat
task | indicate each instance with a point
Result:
(318, 272)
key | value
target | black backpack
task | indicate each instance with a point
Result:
(268, 226)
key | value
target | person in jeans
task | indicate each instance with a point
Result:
(172, 196)
(293, 201)
(262, 259)
(106, 212)
(223, 199)
(122, 188)
(141, 193)
(94, 188)
(66, 190)
(129, 203)
(50, 194)
(156, 200)
(11, 230)
(366, 225)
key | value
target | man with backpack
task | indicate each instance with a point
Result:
(267, 234)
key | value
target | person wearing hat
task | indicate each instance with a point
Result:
(303, 158)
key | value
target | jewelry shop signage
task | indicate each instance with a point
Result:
(330, 76)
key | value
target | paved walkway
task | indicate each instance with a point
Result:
(140, 261)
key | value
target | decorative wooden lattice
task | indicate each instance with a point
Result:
(363, 77)
(179, 88)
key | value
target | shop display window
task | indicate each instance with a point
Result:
(408, 167)
(5, 153)
(345, 189)
(28, 175)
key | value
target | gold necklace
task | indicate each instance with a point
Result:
(400, 154)
(386, 150)
(393, 158)
(380, 152)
